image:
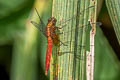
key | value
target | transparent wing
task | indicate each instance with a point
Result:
(97, 24)
(74, 16)
(38, 26)
(41, 22)
(41, 25)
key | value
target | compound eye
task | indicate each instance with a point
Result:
(54, 20)
(49, 19)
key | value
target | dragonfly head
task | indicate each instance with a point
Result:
(52, 20)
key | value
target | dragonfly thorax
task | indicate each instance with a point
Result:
(50, 28)
(51, 21)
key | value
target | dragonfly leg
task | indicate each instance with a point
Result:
(59, 33)
(79, 57)
(62, 43)
(63, 25)
(55, 37)
(58, 28)
(97, 23)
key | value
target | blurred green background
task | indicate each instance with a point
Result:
(19, 46)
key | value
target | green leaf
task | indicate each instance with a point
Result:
(113, 7)
(107, 65)
(75, 16)
(25, 57)
(13, 18)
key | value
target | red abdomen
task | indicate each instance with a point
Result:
(48, 54)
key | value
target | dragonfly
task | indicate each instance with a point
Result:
(50, 31)
(52, 37)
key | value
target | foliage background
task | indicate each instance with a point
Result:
(21, 52)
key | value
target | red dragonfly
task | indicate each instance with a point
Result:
(52, 37)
